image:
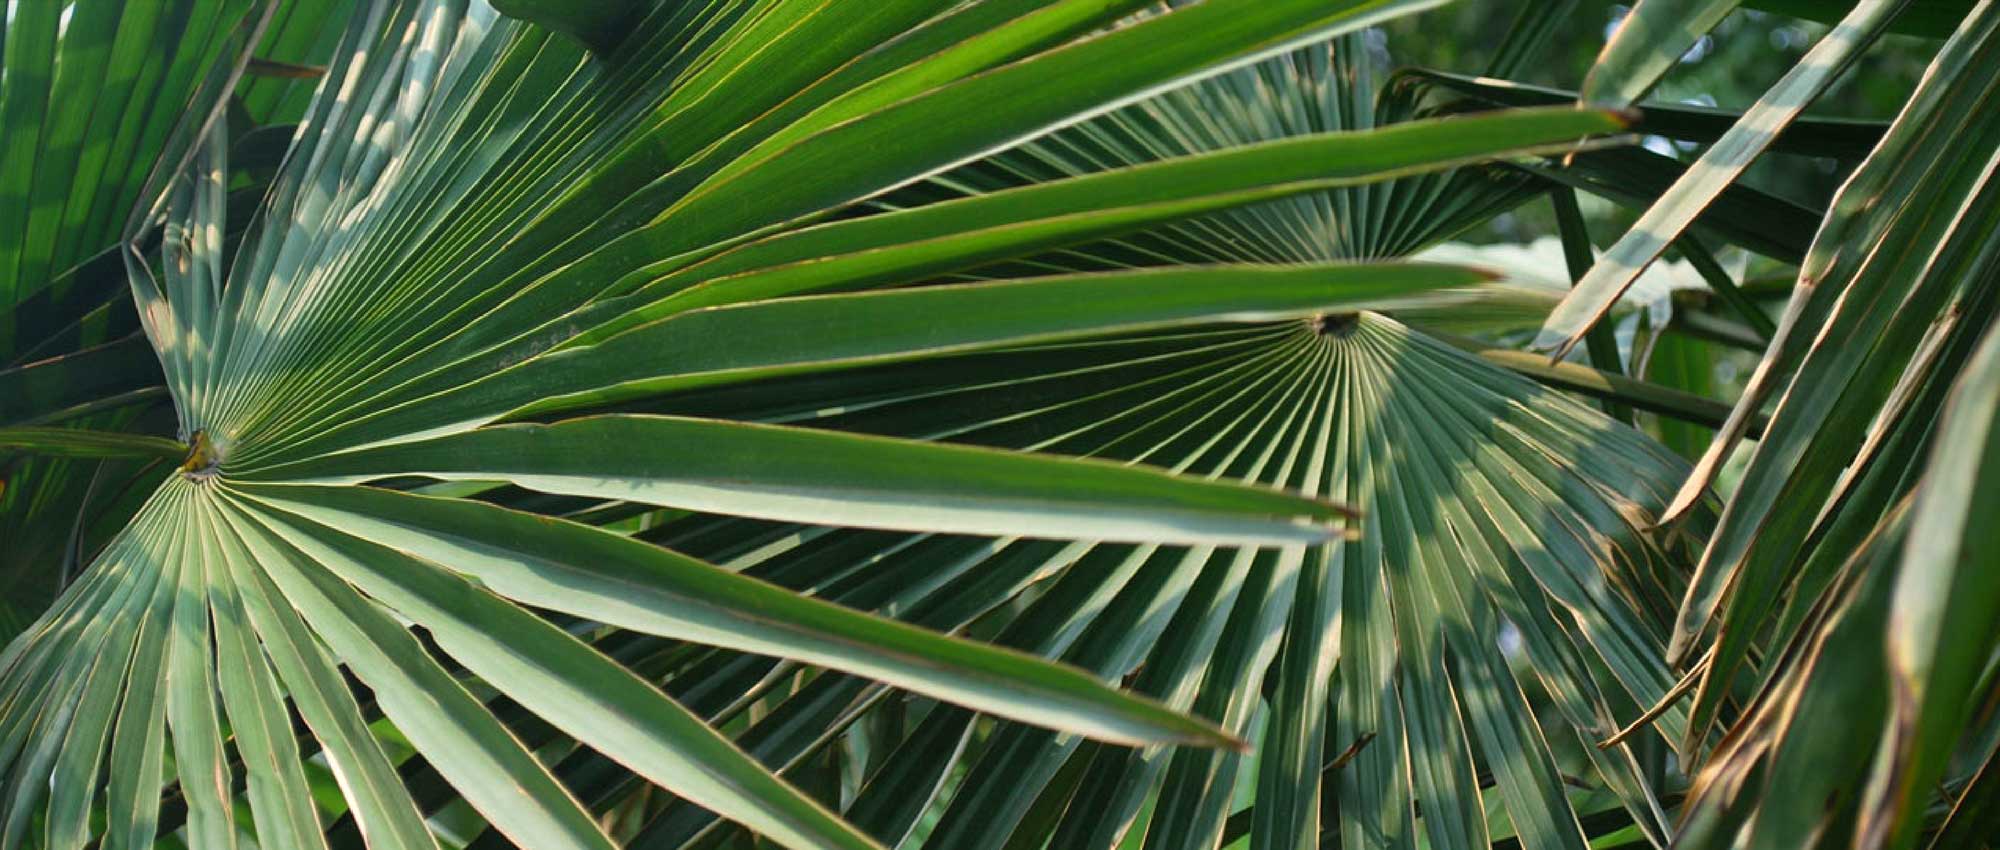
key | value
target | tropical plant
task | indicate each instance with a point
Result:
(1815, 626)
(1001, 424)
(96, 98)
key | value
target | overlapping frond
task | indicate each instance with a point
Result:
(1476, 527)
(481, 221)
(1373, 676)
(1823, 601)
(92, 99)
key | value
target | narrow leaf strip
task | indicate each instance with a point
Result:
(445, 722)
(73, 442)
(571, 685)
(932, 239)
(830, 478)
(1649, 42)
(1946, 606)
(935, 130)
(812, 333)
(574, 568)
(1715, 171)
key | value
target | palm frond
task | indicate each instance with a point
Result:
(466, 186)
(1818, 601)
(1387, 646)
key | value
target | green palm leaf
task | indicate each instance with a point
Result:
(460, 180)
(1820, 599)
(1416, 756)
(1718, 167)
(1181, 401)
(1460, 534)
(92, 109)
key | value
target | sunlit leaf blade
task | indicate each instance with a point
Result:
(940, 238)
(564, 567)
(1825, 592)
(425, 213)
(373, 792)
(496, 774)
(1204, 399)
(570, 685)
(1502, 546)
(1718, 167)
(945, 49)
(837, 479)
(1945, 606)
(279, 798)
(192, 714)
(844, 61)
(1021, 100)
(1870, 325)
(1311, 91)
(808, 333)
(452, 292)
(1779, 745)
(956, 235)
(1649, 41)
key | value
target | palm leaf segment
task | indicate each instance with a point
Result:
(1840, 621)
(95, 96)
(460, 179)
(1492, 505)
(1370, 411)
(90, 98)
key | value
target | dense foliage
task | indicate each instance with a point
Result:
(999, 424)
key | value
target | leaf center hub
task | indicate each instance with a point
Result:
(202, 461)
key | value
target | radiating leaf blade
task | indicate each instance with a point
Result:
(567, 567)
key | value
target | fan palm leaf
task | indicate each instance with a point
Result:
(467, 191)
(1381, 656)
(92, 94)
